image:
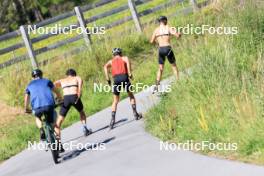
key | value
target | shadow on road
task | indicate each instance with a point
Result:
(98, 130)
(118, 122)
(75, 153)
(119, 125)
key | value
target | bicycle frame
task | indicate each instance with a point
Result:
(51, 140)
(48, 128)
(50, 136)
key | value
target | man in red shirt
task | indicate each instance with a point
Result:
(121, 72)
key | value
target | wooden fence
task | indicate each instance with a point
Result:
(81, 22)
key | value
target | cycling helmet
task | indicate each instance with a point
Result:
(117, 51)
(163, 19)
(36, 73)
(71, 72)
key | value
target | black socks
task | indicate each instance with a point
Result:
(134, 107)
(113, 114)
(156, 87)
(157, 83)
(112, 122)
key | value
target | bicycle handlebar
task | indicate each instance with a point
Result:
(28, 111)
(58, 104)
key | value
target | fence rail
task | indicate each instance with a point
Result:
(9, 35)
(82, 22)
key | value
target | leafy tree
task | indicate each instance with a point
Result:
(14, 13)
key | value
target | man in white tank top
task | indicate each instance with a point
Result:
(161, 36)
(72, 90)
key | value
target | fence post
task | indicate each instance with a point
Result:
(135, 16)
(85, 31)
(28, 44)
(194, 5)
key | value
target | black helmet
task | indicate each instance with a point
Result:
(163, 19)
(36, 73)
(71, 72)
(117, 51)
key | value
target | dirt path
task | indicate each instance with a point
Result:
(8, 113)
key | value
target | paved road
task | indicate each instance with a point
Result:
(129, 151)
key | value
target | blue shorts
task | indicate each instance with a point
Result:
(48, 111)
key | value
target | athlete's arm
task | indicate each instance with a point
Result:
(26, 101)
(173, 32)
(106, 67)
(57, 93)
(55, 90)
(126, 60)
(80, 83)
(57, 84)
(153, 38)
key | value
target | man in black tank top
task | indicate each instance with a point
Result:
(161, 35)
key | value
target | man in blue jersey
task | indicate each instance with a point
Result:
(39, 93)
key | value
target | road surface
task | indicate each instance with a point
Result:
(127, 150)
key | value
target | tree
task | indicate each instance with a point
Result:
(14, 13)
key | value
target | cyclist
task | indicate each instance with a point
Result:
(121, 72)
(161, 35)
(72, 89)
(39, 94)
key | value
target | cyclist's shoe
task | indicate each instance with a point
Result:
(86, 131)
(112, 123)
(138, 116)
(42, 134)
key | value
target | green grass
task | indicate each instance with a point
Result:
(15, 135)
(222, 101)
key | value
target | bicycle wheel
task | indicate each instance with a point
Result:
(53, 145)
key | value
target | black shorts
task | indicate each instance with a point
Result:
(47, 111)
(121, 81)
(164, 52)
(70, 100)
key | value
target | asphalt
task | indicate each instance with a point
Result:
(127, 150)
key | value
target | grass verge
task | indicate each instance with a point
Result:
(222, 101)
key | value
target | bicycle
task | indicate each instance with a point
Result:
(51, 140)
